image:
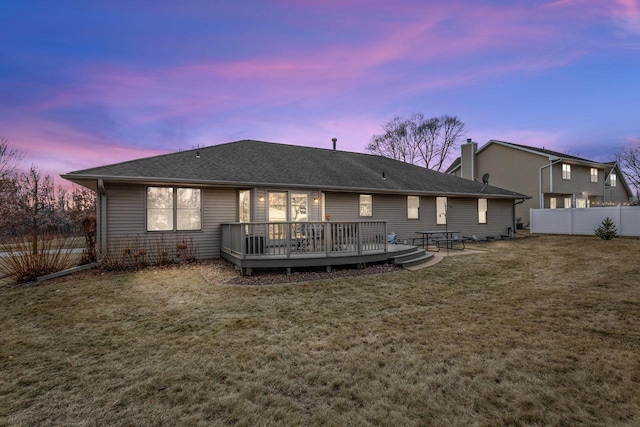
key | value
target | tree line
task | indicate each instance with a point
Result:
(31, 206)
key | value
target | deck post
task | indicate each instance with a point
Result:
(359, 232)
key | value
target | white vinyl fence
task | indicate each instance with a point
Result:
(585, 221)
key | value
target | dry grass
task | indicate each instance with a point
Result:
(542, 331)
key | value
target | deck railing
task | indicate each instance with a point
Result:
(304, 239)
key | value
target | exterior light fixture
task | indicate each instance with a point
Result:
(261, 198)
(315, 200)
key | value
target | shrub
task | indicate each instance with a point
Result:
(135, 252)
(607, 230)
(52, 253)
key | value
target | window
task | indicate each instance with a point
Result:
(277, 207)
(244, 208)
(613, 180)
(441, 210)
(188, 209)
(482, 211)
(169, 210)
(413, 207)
(567, 202)
(566, 171)
(553, 202)
(365, 205)
(594, 175)
(581, 203)
(299, 207)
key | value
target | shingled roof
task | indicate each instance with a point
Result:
(251, 163)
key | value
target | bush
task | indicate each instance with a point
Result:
(136, 252)
(52, 253)
(607, 230)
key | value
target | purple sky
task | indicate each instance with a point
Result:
(89, 83)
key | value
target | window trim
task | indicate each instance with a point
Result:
(174, 209)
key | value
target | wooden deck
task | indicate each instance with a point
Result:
(306, 244)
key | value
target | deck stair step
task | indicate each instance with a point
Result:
(415, 257)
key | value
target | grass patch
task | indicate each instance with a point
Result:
(542, 331)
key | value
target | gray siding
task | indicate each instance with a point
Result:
(462, 214)
(126, 218)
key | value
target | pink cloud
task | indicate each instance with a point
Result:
(58, 149)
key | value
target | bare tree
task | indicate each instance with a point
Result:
(10, 159)
(35, 204)
(421, 141)
(628, 159)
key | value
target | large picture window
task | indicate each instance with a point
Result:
(441, 210)
(413, 207)
(170, 209)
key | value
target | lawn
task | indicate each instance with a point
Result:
(538, 331)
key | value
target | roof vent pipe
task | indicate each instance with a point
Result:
(334, 143)
(468, 140)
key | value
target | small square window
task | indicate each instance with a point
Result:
(366, 208)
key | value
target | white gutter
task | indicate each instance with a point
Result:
(551, 163)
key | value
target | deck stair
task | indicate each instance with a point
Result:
(410, 257)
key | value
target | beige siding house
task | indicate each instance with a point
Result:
(553, 180)
(259, 202)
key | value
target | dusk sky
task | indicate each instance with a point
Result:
(84, 83)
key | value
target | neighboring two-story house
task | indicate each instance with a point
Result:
(553, 180)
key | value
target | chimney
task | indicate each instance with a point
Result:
(334, 143)
(468, 159)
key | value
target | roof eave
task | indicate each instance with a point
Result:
(157, 180)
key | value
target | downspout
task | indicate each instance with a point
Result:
(513, 215)
(551, 163)
(101, 219)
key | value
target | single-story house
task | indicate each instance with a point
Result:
(261, 204)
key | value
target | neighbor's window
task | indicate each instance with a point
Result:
(482, 211)
(594, 175)
(413, 207)
(581, 203)
(567, 202)
(613, 180)
(553, 203)
(365, 205)
(244, 206)
(441, 210)
(169, 210)
(566, 171)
